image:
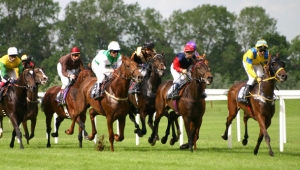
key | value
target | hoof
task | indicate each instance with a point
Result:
(245, 142)
(55, 135)
(164, 140)
(185, 146)
(224, 137)
(172, 142)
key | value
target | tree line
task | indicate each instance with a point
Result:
(34, 27)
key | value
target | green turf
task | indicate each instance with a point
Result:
(212, 150)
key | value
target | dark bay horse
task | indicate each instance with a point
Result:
(144, 103)
(262, 102)
(32, 103)
(49, 106)
(114, 105)
(188, 105)
(14, 104)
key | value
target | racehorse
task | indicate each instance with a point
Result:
(32, 103)
(144, 103)
(114, 105)
(188, 105)
(14, 103)
(261, 105)
(49, 106)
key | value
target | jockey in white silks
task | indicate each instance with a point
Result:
(104, 64)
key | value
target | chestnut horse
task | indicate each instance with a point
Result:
(49, 106)
(188, 105)
(262, 102)
(114, 105)
(14, 103)
(32, 103)
(144, 103)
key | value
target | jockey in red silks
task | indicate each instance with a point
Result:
(67, 68)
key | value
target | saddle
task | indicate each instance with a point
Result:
(103, 86)
(4, 89)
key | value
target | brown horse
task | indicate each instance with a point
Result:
(189, 104)
(32, 103)
(144, 103)
(14, 103)
(115, 104)
(262, 102)
(49, 106)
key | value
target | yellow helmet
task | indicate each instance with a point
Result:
(261, 43)
(25, 58)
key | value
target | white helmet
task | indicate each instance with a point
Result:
(114, 45)
(12, 51)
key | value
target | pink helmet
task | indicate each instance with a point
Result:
(188, 47)
(192, 43)
(75, 50)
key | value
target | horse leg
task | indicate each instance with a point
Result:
(26, 133)
(175, 137)
(232, 112)
(245, 140)
(150, 121)
(170, 122)
(1, 126)
(263, 133)
(110, 132)
(48, 128)
(93, 114)
(154, 135)
(16, 132)
(33, 122)
(120, 137)
(143, 115)
(190, 131)
(136, 125)
(70, 131)
(57, 124)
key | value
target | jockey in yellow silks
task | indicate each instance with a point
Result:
(8, 65)
(253, 61)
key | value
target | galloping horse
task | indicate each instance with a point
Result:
(14, 104)
(115, 104)
(49, 106)
(144, 103)
(32, 103)
(189, 104)
(262, 102)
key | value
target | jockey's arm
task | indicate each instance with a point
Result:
(20, 68)
(3, 69)
(248, 60)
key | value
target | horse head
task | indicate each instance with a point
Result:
(40, 76)
(275, 67)
(157, 64)
(201, 72)
(28, 79)
(83, 75)
(129, 70)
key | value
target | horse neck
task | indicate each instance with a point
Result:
(195, 89)
(33, 95)
(267, 87)
(119, 84)
(20, 87)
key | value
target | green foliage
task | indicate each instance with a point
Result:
(34, 28)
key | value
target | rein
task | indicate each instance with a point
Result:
(259, 85)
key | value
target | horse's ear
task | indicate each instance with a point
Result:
(162, 53)
(89, 66)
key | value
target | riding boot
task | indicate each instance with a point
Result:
(59, 97)
(173, 92)
(98, 93)
(245, 93)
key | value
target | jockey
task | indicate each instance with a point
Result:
(67, 68)
(179, 69)
(104, 63)
(141, 56)
(26, 61)
(253, 61)
(8, 63)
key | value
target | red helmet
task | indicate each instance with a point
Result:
(188, 47)
(75, 50)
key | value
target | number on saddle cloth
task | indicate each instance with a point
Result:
(240, 94)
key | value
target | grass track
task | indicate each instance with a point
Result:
(212, 150)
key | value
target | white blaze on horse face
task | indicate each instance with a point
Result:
(31, 71)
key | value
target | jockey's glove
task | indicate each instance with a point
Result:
(258, 79)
